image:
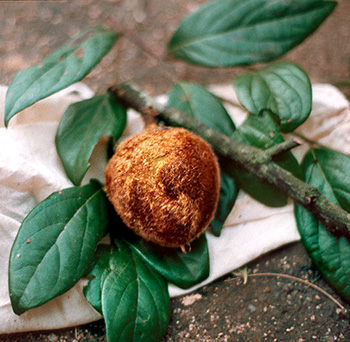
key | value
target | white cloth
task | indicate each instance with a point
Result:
(30, 170)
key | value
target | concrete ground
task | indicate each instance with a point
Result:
(268, 307)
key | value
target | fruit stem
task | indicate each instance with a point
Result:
(185, 248)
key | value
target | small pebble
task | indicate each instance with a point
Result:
(52, 337)
(252, 307)
(267, 289)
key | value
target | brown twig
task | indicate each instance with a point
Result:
(254, 160)
(163, 68)
(287, 276)
(278, 149)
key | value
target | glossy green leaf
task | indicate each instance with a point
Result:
(201, 104)
(328, 171)
(55, 245)
(80, 128)
(242, 32)
(62, 68)
(204, 106)
(99, 271)
(182, 270)
(261, 131)
(134, 298)
(227, 199)
(282, 87)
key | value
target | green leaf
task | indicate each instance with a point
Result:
(55, 244)
(198, 102)
(62, 68)
(328, 171)
(261, 131)
(201, 104)
(283, 88)
(80, 128)
(182, 270)
(242, 32)
(98, 273)
(134, 298)
(227, 199)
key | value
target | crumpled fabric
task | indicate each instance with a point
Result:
(30, 170)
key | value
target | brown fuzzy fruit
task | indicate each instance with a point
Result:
(164, 183)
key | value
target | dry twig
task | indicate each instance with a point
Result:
(287, 276)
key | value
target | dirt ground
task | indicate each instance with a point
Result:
(268, 307)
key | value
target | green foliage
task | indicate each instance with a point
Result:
(64, 67)
(131, 295)
(227, 199)
(327, 170)
(283, 88)
(80, 128)
(181, 269)
(101, 266)
(241, 32)
(55, 245)
(261, 131)
(198, 102)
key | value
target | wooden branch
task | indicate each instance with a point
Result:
(254, 160)
(278, 149)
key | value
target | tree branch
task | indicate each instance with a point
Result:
(254, 160)
(278, 149)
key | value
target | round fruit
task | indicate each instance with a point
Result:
(164, 183)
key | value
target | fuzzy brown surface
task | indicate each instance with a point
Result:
(224, 310)
(164, 183)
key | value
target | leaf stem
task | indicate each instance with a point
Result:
(254, 160)
(229, 101)
(313, 143)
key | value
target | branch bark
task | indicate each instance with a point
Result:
(254, 160)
